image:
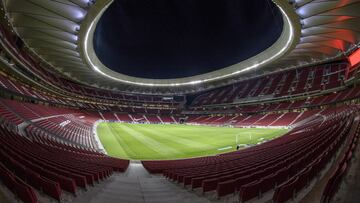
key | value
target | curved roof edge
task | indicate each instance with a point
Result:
(286, 42)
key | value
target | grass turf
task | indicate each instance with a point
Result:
(171, 141)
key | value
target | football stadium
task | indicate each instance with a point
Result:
(186, 101)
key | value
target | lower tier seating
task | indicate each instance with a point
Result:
(34, 162)
(70, 128)
(336, 177)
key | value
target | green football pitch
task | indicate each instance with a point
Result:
(171, 141)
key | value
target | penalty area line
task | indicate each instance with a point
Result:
(225, 148)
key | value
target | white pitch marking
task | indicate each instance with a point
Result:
(225, 148)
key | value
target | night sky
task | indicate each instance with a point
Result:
(178, 38)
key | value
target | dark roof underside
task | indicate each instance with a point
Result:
(178, 38)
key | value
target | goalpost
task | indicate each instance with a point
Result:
(237, 138)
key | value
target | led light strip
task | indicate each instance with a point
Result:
(186, 83)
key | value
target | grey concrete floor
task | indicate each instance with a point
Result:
(136, 185)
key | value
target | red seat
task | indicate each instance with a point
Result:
(197, 182)
(239, 182)
(17, 186)
(249, 191)
(7, 178)
(333, 183)
(225, 188)
(285, 191)
(267, 183)
(33, 179)
(302, 180)
(211, 184)
(281, 176)
(51, 188)
(25, 192)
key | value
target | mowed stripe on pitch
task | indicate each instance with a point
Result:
(168, 136)
(147, 141)
(110, 141)
(211, 137)
(140, 151)
(194, 149)
(121, 141)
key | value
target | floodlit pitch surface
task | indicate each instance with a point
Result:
(171, 141)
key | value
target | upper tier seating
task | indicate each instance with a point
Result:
(25, 90)
(19, 88)
(295, 81)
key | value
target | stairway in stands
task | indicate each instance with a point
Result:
(136, 185)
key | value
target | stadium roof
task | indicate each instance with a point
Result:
(166, 39)
(61, 32)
